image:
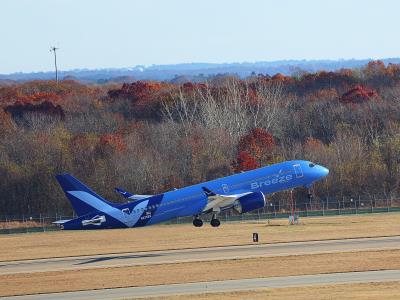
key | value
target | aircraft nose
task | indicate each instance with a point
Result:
(323, 172)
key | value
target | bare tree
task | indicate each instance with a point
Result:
(183, 109)
(270, 105)
(226, 108)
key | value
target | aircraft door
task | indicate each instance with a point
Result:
(298, 171)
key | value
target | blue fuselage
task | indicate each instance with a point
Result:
(191, 200)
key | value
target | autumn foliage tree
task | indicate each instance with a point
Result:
(150, 136)
(254, 149)
(110, 144)
(245, 162)
(139, 91)
(358, 94)
(19, 109)
(259, 143)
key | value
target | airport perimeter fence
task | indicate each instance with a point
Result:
(273, 210)
(282, 209)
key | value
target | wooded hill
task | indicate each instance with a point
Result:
(149, 137)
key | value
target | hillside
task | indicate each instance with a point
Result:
(152, 136)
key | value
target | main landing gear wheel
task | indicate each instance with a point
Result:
(215, 222)
(197, 222)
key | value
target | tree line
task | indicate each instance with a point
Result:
(149, 137)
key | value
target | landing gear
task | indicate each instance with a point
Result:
(214, 221)
(310, 195)
(197, 222)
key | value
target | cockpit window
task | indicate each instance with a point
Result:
(311, 165)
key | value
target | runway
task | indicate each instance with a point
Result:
(201, 254)
(220, 286)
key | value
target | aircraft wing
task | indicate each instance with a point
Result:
(218, 202)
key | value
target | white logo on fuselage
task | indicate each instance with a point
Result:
(268, 182)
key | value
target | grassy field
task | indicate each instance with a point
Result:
(357, 291)
(161, 237)
(86, 279)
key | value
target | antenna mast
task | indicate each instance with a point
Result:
(54, 49)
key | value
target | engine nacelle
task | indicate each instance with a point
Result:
(249, 202)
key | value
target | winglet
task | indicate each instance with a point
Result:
(208, 192)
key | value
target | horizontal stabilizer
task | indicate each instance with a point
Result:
(60, 222)
(130, 196)
(124, 193)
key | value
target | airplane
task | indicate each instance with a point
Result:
(242, 192)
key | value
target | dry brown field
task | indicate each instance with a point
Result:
(163, 237)
(357, 291)
(87, 279)
(17, 224)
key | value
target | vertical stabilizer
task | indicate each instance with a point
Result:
(82, 198)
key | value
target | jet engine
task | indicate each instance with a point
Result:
(249, 202)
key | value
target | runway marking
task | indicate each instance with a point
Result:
(197, 255)
(220, 286)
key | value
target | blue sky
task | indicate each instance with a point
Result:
(121, 33)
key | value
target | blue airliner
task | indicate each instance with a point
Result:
(241, 192)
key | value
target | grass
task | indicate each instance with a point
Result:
(18, 224)
(87, 279)
(162, 237)
(356, 291)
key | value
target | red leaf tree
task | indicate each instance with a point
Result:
(259, 143)
(255, 149)
(18, 109)
(137, 92)
(359, 94)
(110, 144)
(245, 162)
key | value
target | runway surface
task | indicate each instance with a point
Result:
(202, 254)
(221, 286)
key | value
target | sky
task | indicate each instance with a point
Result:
(123, 33)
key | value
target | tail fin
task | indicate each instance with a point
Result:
(82, 198)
